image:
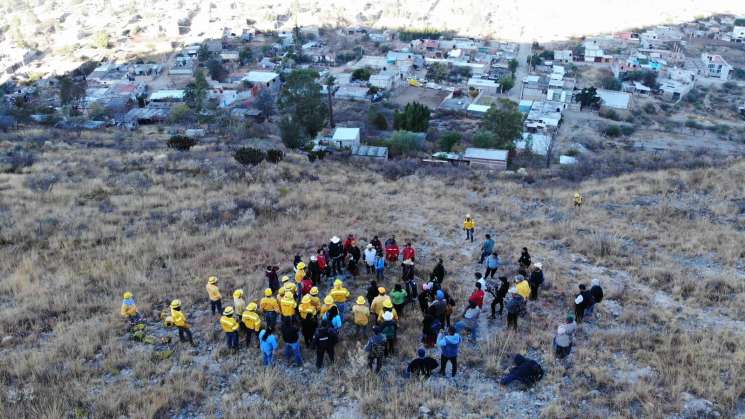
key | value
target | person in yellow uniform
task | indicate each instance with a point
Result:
(577, 200)
(315, 299)
(361, 316)
(522, 286)
(328, 302)
(388, 307)
(376, 307)
(129, 308)
(252, 323)
(340, 296)
(300, 272)
(239, 304)
(214, 294)
(179, 320)
(270, 307)
(308, 318)
(287, 307)
(469, 224)
(230, 327)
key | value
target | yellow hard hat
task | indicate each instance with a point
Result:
(387, 304)
(381, 290)
(228, 311)
(288, 294)
(212, 280)
(314, 291)
(285, 278)
(175, 303)
(361, 300)
(127, 295)
(338, 283)
(576, 194)
(268, 292)
(306, 298)
(328, 300)
(238, 293)
(291, 286)
(251, 307)
(301, 265)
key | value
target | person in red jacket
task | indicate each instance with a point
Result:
(409, 252)
(348, 243)
(306, 284)
(477, 296)
(323, 262)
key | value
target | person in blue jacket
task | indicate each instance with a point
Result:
(525, 371)
(449, 344)
(268, 344)
(487, 248)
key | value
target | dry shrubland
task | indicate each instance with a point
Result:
(129, 214)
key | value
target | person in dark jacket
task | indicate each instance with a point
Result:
(372, 290)
(423, 365)
(581, 302)
(291, 336)
(377, 245)
(425, 297)
(375, 349)
(535, 280)
(325, 339)
(514, 306)
(597, 296)
(314, 270)
(499, 294)
(525, 371)
(524, 258)
(336, 253)
(272, 278)
(438, 273)
(487, 248)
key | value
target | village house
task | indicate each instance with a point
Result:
(715, 67)
(369, 151)
(485, 157)
(346, 137)
(544, 116)
(483, 85)
(166, 96)
(262, 80)
(382, 80)
(614, 99)
(563, 55)
(738, 34)
(536, 143)
(351, 92)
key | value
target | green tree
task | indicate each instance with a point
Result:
(180, 113)
(217, 70)
(448, 140)
(513, 66)
(203, 53)
(249, 156)
(265, 103)
(437, 72)
(70, 91)
(588, 97)
(505, 121)
(330, 83)
(484, 139)
(301, 99)
(101, 40)
(196, 91)
(611, 83)
(291, 133)
(245, 56)
(403, 143)
(415, 117)
(507, 83)
(362, 74)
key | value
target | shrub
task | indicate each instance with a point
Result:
(181, 142)
(291, 133)
(401, 143)
(415, 117)
(448, 140)
(627, 129)
(484, 139)
(379, 121)
(361, 74)
(274, 156)
(612, 131)
(650, 109)
(610, 114)
(249, 156)
(611, 83)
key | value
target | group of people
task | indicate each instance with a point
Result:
(292, 307)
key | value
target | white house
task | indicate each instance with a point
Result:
(538, 143)
(563, 55)
(382, 81)
(614, 99)
(738, 34)
(491, 158)
(263, 79)
(715, 67)
(167, 96)
(346, 137)
(483, 85)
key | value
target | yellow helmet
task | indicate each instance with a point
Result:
(175, 303)
(338, 283)
(268, 292)
(361, 300)
(251, 307)
(314, 291)
(238, 293)
(301, 265)
(306, 299)
(387, 304)
(228, 311)
(127, 295)
(328, 300)
(212, 280)
(291, 287)
(285, 278)
(288, 294)
(381, 290)
(576, 194)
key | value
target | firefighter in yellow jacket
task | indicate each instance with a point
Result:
(129, 308)
(340, 296)
(328, 302)
(214, 294)
(300, 272)
(230, 327)
(376, 307)
(361, 316)
(252, 323)
(577, 200)
(315, 299)
(287, 306)
(270, 307)
(469, 224)
(308, 319)
(179, 320)
(239, 304)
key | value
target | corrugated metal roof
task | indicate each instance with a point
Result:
(346, 134)
(613, 99)
(370, 151)
(485, 154)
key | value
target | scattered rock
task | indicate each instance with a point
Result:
(698, 408)
(424, 411)
(6, 341)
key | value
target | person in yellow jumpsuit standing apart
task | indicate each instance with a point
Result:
(230, 327)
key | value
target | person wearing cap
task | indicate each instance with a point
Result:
(291, 336)
(340, 296)
(376, 349)
(376, 306)
(297, 259)
(306, 285)
(487, 248)
(577, 200)
(239, 304)
(270, 307)
(597, 296)
(449, 344)
(438, 272)
(324, 340)
(514, 306)
(399, 297)
(470, 321)
(272, 278)
(535, 280)
(287, 306)
(314, 271)
(315, 299)
(499, 295)
(230, 327)
(379, 268)
(336, 253)
(361, 316)
(251, 323)
(423, 365)
(522, 286)
(268, 344)
(299, 272)
(129, 308)
(562, 343)
(469, 224)
(409, 253)
(492, 265)
(408, 277)
(179, 320)
(388, 307)
(582, 300)
(328, 302)
(214, 295)
(389, 329)
(477, 296)
(370, 256)
(308, 318)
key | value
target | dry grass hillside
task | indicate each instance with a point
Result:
(85, 217)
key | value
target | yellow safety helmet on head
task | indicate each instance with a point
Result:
(285, 278)
(288, 294)
(338, 282)
(387, 304)
(268, 292)
(228, 311)
(301, 265)
(212, 280)
(127, 295)
(576, 194)
(251, 307)
(328, 300)
(238, 293)
(314, 291)
(361, 300)
(175, 303)
(306, 299)
(381, 290)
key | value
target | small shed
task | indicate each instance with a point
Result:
(484, 85)
(346, 137)
(370, 152)
(381, 81)
(487, 157)
(613, 99)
